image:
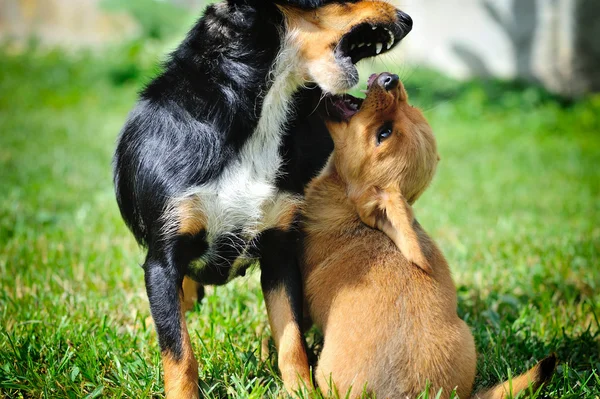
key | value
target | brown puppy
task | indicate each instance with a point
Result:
(388, 316)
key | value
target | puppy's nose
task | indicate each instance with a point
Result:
(388, 81)
(405, 22)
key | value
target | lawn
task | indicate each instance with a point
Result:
(515, 206)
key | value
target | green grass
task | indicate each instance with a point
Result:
(515, 207)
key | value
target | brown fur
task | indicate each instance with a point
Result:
(388, 326)
(384, 180)
(190, 293)
(190, 220)
(534, 378)
(181, 375)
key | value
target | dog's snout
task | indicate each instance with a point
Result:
(388, 81)
(405, 22)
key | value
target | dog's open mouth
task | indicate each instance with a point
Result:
(342, 106)
(368, 40)
(345, 106)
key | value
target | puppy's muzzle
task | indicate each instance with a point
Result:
(388, 81)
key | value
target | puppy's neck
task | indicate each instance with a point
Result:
(328, 203)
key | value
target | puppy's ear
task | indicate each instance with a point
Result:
(389, 212)
(403, 94)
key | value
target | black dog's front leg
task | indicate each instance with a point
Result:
(164, 288)
(281, 282)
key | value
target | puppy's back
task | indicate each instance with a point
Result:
(380, 314)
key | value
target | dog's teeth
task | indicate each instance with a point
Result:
(373, 27)
(353, 47)
(379, 47)
(392, 39)
(361, 44)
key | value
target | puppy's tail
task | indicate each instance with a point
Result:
(535, 377)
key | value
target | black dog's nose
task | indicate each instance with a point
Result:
(405, 22)
(388, 81)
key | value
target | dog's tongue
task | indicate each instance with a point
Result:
(371, 80)
(345, 108)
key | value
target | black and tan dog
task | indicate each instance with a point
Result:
(212, 159)
(387, 308)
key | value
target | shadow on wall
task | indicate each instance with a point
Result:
(519, 27)
(587, 42)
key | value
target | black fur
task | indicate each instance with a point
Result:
(196, 115)
(279, 267)
(307, 144)
(193, 119)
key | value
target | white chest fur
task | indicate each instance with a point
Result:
(244, 197)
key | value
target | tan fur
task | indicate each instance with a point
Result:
(533, 378)
(319, 31)
(389, 212)
(283, 212)
(292, 360)
(181, 375)
(386, 323)
(190, 218)
(389, 327)
(384, 180)
(190, 294)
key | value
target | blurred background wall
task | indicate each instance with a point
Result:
(553, 43)
(62, 22)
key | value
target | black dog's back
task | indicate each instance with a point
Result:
(195, 116)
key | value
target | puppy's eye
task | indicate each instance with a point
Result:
(383, 134)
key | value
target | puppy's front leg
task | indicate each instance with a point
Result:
(281, 282)
(387, 210)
